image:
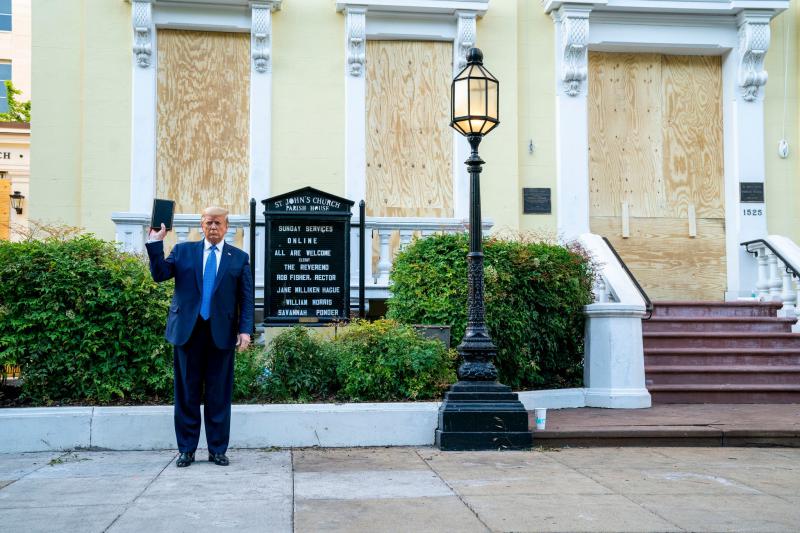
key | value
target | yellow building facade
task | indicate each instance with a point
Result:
(649, 122)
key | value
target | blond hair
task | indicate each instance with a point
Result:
(215, 211)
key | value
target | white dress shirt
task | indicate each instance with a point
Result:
(207, 250)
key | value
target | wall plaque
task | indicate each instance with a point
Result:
(751, 192)
(536, 200)
(307, 258)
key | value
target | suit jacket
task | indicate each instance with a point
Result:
(231, 301)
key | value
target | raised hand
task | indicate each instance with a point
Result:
(157, 235)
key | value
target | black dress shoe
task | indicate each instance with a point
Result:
(185, 459)
(218, 459)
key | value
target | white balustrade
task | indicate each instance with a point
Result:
(132, 228)
(778, 266)
(614, 351)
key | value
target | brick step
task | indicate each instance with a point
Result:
(710, 324)
(716, 309)
(745, 340)
(724, 393)
(720, 375)
(721, 356)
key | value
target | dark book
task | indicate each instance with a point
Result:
(163, 213)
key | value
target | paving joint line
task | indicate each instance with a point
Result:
(63, 454)
(637, 504)
(128, 505)
(454, 491)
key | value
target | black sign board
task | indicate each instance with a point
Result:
(751, 192)
(536, 200)
(307, 274)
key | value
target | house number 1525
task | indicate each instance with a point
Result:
(752, 212)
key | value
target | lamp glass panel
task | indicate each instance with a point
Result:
(477, 97)
(460, 98)
(491, 98)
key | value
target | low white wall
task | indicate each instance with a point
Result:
(252, 426)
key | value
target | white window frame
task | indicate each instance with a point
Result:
(419, 20)
(736, 30)
(148, 16)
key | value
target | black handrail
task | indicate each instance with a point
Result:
(648, 305)
(789, 268)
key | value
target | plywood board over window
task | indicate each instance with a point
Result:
(656, 161)
(409, 142)
(203, 119)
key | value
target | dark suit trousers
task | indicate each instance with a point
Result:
(200, 365)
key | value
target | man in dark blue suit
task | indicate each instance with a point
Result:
(211, 314)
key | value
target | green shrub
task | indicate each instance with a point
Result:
(302, 367)
(84, 321)
(379, 361)
(534, 295)
(249, 378)
(388, 361)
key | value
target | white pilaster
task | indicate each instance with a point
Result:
(260, 99)
(355, 166)
(466, 38)
(572, 134)
(143, 137)
(745, 160)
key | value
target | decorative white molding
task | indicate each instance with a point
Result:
(143, 29)
(356, 40)
(754, 37)
(574, 48)
(465, 37)
(416, 7)
(261, 36)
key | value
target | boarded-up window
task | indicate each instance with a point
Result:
(203, 119)
(409, 142)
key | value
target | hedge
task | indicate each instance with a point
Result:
(534, 296)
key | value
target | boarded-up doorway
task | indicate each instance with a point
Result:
(656, 169)
(203, 119)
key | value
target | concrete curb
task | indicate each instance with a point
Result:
(252, 426)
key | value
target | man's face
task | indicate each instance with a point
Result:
(214, 227)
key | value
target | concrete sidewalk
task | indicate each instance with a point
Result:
(405, 489)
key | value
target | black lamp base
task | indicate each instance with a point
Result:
(482, 415)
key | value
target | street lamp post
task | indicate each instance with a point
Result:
(478, 413)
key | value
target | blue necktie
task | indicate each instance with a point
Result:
(209, 275)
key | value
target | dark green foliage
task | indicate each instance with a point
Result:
(84, 321)
(302, 367)
(387, 361)
(378, 361)
(535, 293)
(248, 374)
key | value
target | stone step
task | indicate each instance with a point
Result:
(721, 356)
(739, 340)
(716, 309)
(726, 393)
(721, 375)
(720, 324)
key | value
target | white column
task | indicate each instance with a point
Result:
(143, 135)
(744, 77)
(355, 138)
(572, 134)
(260, 100)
